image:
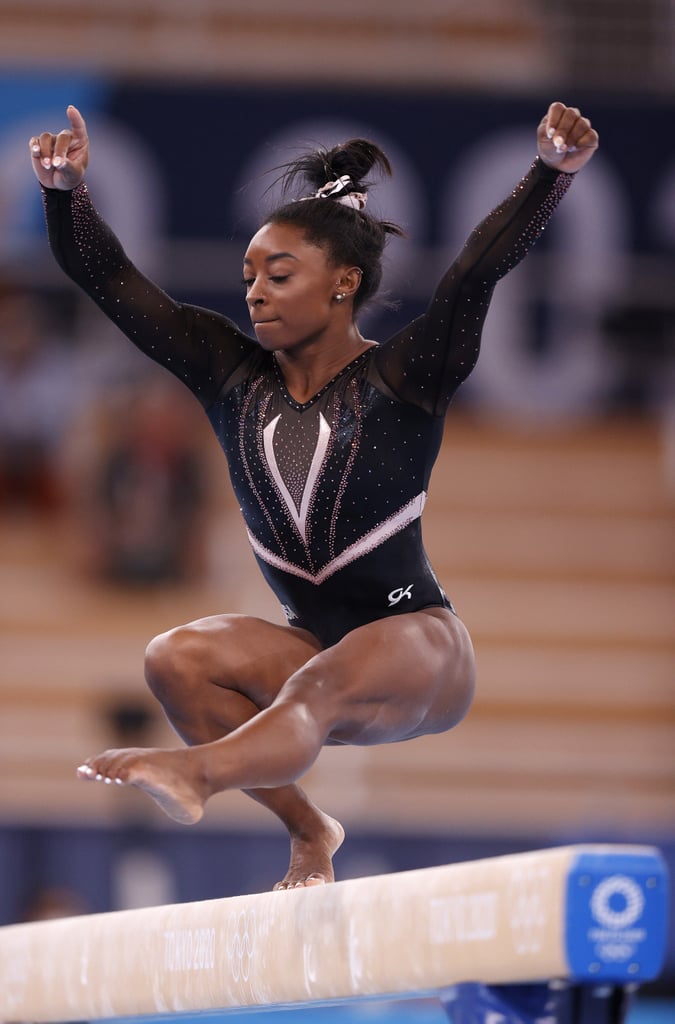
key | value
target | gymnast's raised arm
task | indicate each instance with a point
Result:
(427, 361)
(200, 347)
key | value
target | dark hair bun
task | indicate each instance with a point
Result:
(357, 158)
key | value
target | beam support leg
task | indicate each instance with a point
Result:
(545, 1003)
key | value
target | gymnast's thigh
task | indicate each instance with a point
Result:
(391, 679)
(239, 652)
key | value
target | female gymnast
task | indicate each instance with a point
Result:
(330, 440)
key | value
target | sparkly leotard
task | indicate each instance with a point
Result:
(331, 490)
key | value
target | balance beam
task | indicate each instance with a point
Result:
(586, 913)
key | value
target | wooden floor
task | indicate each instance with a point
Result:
(558, 550)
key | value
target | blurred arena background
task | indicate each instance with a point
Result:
(550, 516)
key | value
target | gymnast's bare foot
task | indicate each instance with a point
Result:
(168, 776)
(312, 854)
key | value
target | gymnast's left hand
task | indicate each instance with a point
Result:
(566, 139)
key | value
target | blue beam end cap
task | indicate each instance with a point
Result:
(616, 917)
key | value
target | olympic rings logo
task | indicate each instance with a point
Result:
(241, 944)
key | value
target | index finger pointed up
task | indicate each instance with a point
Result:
(77, 124)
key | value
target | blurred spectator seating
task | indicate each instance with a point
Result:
(37, 400)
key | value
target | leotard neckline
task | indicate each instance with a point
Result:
(301, 406)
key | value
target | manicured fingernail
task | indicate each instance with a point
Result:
(46, 162)
(550, 132)
(119, 782)
(108, 782)
(35, 148)
(58, 161)
(558, 142)
(99, 777)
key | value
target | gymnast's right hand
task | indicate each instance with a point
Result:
(59, 161)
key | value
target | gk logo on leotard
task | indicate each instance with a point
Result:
(399, 593)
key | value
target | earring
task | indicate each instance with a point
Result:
(339, 297)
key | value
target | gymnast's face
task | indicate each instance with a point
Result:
(290, 288)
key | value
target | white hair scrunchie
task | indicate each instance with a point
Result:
(357, 200)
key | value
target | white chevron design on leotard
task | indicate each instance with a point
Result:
(371, 540)
(299, 516)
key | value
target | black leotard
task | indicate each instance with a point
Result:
(331, 490)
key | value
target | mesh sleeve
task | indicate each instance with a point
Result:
(200, 347)
(425, 363)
